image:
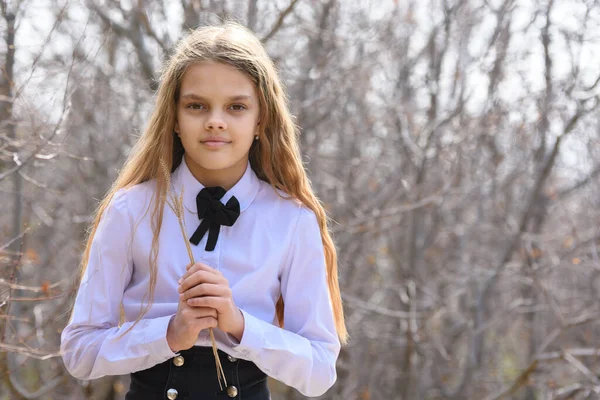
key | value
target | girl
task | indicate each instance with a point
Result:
(222, 126)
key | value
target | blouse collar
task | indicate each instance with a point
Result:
(244, 190)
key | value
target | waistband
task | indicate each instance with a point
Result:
(193, 375)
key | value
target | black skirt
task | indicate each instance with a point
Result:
(193, 376)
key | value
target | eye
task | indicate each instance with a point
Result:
(194, 106)
(242, 107)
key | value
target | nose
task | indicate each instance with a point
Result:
(215, 122)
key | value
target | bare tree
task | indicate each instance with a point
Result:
(455, 144)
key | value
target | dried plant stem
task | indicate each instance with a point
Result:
(210, 330)
(176, 205)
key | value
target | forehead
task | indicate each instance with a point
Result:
(212, 79)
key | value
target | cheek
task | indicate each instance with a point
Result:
(189, 128)
(186, 134)
(184, 121)
(244, 142)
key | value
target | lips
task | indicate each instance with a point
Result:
(214, 143)
(214, 140)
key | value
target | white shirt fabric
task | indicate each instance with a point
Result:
(273, 248)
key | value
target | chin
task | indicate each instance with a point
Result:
(216, 166)
(217, 163)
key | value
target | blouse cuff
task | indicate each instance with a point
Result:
(253, 338)
(155, 339)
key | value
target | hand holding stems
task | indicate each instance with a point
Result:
(204, 287)
(205, 301)
(184, 327)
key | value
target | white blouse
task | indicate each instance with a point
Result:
(273, 248)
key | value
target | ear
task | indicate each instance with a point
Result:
(176, 128)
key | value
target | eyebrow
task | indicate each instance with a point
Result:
(231, 98)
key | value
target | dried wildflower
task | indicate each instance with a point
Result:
(175, 203)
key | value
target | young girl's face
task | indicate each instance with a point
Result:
(217, 118)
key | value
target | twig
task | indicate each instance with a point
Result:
(11, 241)
(522, 379)
(37, 289)
(359, 303)
(580, 367)
(279, 22)
(29, 352)
(41, 298)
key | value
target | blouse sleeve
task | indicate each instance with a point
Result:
(304, 354)
(91, 345)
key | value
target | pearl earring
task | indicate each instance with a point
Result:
(256, 137)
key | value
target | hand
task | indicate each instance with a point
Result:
(202, 286)
(184, 327)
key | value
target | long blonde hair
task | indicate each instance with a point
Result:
(275, 158)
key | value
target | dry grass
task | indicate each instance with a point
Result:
(175, 203)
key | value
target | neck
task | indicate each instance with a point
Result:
(226, 178)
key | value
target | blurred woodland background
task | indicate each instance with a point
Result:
(456, 144)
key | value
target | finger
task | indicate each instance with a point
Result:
(218, 303)
(201, 265)
(201, 312)
(206, 289)
(187, 268)
(191, 313)
(206, 322)
(197, 278)
(191, 268)
(190, 265)
(194, 271)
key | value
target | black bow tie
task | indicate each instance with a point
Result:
(213, 214)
